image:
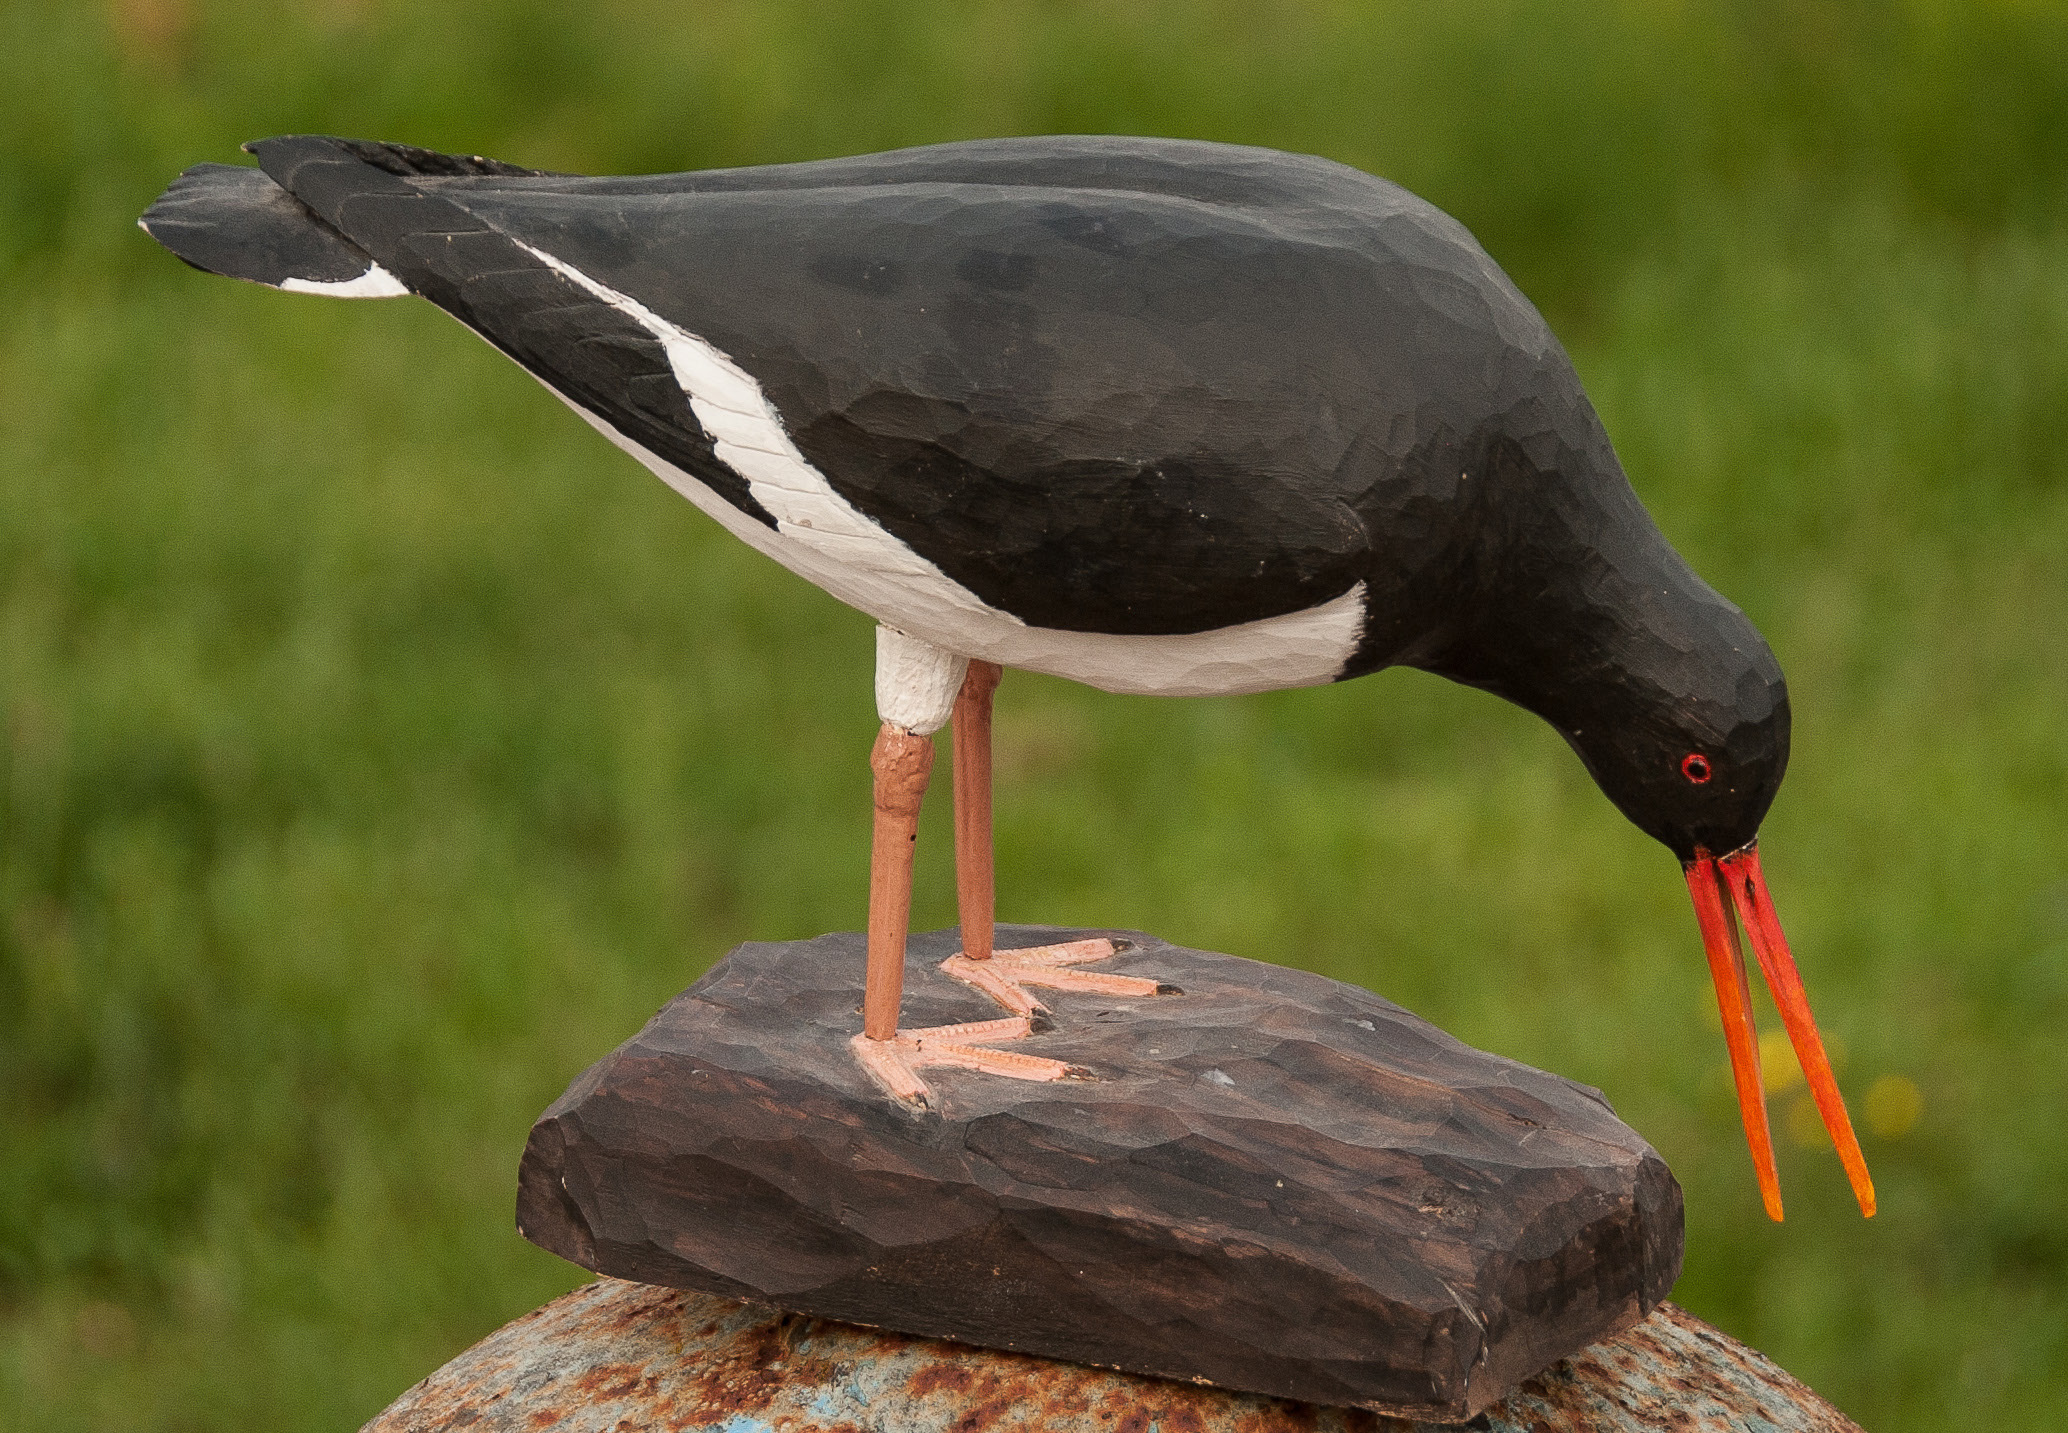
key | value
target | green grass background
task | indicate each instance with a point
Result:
(380, 747)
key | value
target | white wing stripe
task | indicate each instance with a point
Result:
(742, 430)
(748, 436)
(713, 378)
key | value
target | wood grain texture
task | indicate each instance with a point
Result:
(1274, 1182)
(614, 1357)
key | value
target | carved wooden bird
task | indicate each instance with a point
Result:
(1157, 416)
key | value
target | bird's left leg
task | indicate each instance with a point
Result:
(975, 890)
(1006, 977)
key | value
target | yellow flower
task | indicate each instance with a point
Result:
(1893, 1104)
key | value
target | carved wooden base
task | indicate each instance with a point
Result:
(1272, 1182)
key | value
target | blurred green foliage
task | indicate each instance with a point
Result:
(381, 748)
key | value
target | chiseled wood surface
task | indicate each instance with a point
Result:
(1273, 1182)
(631, 1358)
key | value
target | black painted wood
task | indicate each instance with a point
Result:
(1275, 1182)
(1112, 385)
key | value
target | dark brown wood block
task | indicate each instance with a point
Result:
(1273, 1182)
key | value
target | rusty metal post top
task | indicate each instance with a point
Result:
(616, 1357)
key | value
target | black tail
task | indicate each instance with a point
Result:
(242, 223)
(357, 220)
(238, 222)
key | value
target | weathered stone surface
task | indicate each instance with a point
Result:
(631, 1358)
(1273, 1182)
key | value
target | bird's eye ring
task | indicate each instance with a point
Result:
(1695, 767)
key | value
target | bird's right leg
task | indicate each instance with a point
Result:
(901, 761)
(916, 687)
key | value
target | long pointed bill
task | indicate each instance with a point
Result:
(1741, 875)
(1734, 1004)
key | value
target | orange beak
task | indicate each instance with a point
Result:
(1735, 881)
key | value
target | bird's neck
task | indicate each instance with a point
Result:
(1590, 618)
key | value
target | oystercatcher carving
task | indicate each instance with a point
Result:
(1157, 416)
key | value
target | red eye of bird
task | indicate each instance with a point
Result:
(1695, 767)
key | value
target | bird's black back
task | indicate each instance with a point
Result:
(1115, 385)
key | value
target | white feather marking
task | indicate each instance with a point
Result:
(375, 283)
(824, 539)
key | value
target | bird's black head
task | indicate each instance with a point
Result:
(1685, 730)
(1678, 708)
